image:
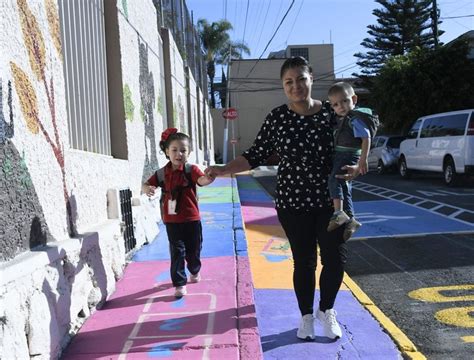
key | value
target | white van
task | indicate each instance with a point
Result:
(440, 143)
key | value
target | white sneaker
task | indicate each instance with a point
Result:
(337, 219)
(330, 326)
(180, 291)
(195, 278)
(306, 329)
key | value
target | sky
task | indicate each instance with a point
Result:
(340, 22)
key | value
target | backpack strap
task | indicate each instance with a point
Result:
(160, 177)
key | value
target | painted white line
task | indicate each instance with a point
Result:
(454, 214)
(421, 200)
(207, 343)
(410, 235)
(437, 207)
(126, 348)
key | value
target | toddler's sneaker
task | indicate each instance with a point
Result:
(195, 278)
(337, 219)
(306, 329)
(351, 227)
(330, 326)
(180, 291)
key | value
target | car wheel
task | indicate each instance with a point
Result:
(449, 171)
(381, 169)
(403, 169)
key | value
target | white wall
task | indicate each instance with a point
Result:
(47, 292)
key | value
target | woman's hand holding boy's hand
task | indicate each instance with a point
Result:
(150, 190)
(214, 171)
(205, 180)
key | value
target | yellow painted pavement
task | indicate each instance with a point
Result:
(270, 257)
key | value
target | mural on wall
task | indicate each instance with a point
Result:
(182, 122)
(128, 103)
(19, 204)
(35, 46)
(160, 107)
(147, 105)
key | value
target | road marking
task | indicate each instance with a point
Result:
(458, 316)
(433, 294)
(468, 339)
(378, 191)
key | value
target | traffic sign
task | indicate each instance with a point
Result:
(230, 114)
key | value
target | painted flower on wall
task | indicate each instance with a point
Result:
(26, 89)
(128, 103)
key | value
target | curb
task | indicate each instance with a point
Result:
(405, 345)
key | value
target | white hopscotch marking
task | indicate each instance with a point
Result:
(207, 342)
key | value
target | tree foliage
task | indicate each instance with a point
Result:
(402, 25)
(218, 47)
(423, 82)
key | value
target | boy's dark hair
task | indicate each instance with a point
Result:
(295, 62)
(164, 144)
(341, 87)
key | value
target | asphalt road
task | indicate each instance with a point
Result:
(420, 275)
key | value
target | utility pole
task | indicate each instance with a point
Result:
(435, 24)
(227, 100)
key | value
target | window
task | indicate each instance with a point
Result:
(82, 29)
(300, 52)
(426, 128)
(413, 133)
(455, 125)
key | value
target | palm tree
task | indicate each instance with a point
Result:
(218, 46)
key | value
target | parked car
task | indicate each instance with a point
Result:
(441, 143)
(384, 153)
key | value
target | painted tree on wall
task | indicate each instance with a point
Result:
(35, 46)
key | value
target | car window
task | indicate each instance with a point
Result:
(413, 133)
(394, 142)
(454, 125)
(426, 128)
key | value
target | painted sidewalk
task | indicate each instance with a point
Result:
(215, 320)
(277, 310)
(218, 317)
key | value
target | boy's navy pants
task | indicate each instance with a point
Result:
(185, 240)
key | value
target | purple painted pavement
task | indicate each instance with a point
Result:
(362, 336)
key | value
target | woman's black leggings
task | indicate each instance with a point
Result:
(305, 230)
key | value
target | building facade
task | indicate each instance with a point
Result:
(86, 88)
(255, 88)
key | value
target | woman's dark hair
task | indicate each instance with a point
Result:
(164, 144)
(295, 62)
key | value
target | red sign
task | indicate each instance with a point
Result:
(230, 114)
(233, 141)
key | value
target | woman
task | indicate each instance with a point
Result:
(302, 136)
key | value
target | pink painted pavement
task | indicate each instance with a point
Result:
(143, 319)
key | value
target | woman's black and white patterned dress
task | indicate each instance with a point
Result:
(305, 146)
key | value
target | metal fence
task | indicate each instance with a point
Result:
(83, 38)
(127, 219)
(174, 15)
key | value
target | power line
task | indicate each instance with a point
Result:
(263, 26)
(456, 17)
(269, 41)
(294, 22)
